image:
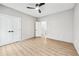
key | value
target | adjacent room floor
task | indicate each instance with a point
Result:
(38, 47)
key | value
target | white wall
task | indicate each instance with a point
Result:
(27, 21)
(59, 26)
(76, 27)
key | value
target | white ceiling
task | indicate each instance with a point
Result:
(47, 9)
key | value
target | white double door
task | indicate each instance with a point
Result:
(41, 28)
(10, 29)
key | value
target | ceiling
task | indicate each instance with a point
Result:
(47, 9)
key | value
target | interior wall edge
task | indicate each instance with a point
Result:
(76, 27)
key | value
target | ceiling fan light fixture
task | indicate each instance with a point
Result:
(37, 8)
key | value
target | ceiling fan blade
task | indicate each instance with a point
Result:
(39, 11)
(37, 5)
(41, 4)
(30, 7)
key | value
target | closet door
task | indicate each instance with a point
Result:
(10, 29)
(16, 28)
(6, 35)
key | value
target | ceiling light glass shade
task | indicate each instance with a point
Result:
(37, 8)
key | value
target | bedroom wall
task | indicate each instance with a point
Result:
(27, 21)
(59, 25)
(76, 27)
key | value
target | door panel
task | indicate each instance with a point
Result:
(43, 28)
(16, 27)
(38, 29)
(5, 28)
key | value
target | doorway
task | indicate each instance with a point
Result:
(41, 28)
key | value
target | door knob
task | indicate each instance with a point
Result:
(11, 31)
(8, 31)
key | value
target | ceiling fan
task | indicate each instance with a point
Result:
(37, 7)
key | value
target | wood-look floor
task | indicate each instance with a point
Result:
(38, 47)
